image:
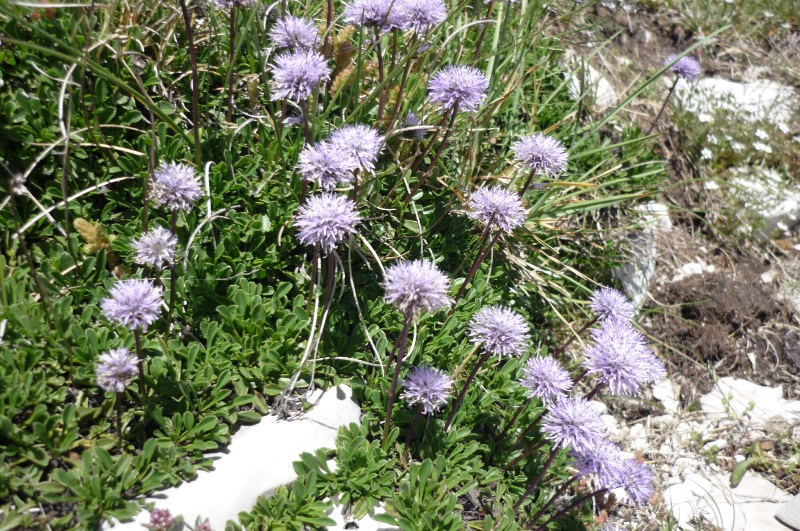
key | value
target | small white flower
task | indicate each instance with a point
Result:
(713, 139)
(737, 146)
(760, 146)
(711, 185)
(706, 154)
(768, 14)
(783, 128)
(760, 133)
(704, 118)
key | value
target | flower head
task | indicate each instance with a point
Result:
(175, 186)
(573, 422)
(325, 220)
(116, 369)
(295, 33)
(381, 14)
(609, 303)
(542, 154)
(686, 67)
(156, 248)
(620, 358)
(205, 525)
(604, 461)
(546, 379)
(421, 15)
(133, 303)
(498, 206)
(637, 480)
(327, 164)
(458, 87)
(296, 74)
(160, 520)
(500, 330)
(416, 286)
(361, 143)
(427, 387)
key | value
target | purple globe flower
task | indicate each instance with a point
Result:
(417, 286)
(156, 248)
(361, 143)
(326, 220)
(458, 87)
(294, 33)
(545, 379)
(428, 387)
(133, 303)
(497, 206)
(620, 358)
(411, 120)
(421, 15)
(605, 461)
(573, 422)
(500, 330)
(542, 154)
(637, 481)
(609, 303)
(326, 164)
(381, 14)
(686, 67)
(204, 526)
(116, 369)
(175, 186)
(295, 75)
(160, 520)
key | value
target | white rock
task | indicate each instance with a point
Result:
(256, 462)
(688, 270)
(767, 196)
(733, 397)
(748, 507)
(719, 444)
(789, 513)
(768, 277)
(636, 275)
(595, 85)
(752, 100)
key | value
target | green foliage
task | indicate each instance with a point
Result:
(287, 510)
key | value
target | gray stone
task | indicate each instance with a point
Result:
(789, 513)
(733, 398)
(256, 462)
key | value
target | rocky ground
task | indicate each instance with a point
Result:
(715, 266)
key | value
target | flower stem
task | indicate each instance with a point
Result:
(326, 46)
(198, 156)
(485, 28)
(382, 93)
(664, 106)
(529, 429)
(392, 391)
(560, 350)
(401, 90)
(571, 506)
(119, 421)
(591, 394)
(172, 277)
(413, 426)
(527, 183)
(535, 483)
(355, 185)
(463, 392)
(516, 416)
(555, 496)
(447, 134)
(137, 334)
(475, 265)
(231, 57)
(524, 455)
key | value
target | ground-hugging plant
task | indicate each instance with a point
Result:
(282, 120)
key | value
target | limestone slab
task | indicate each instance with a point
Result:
(256, 462)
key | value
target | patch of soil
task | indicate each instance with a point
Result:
(727, 323)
